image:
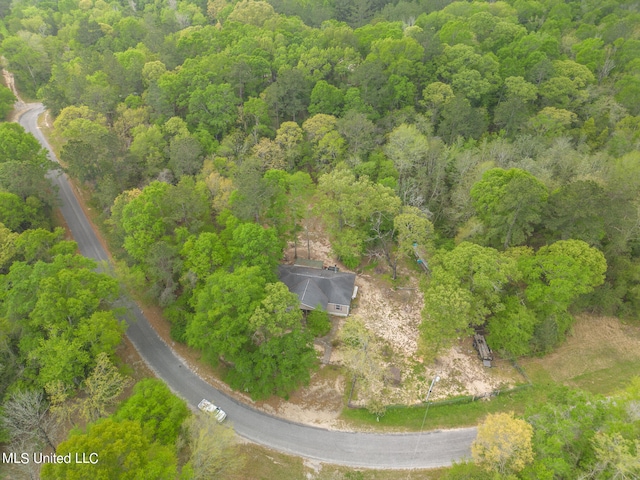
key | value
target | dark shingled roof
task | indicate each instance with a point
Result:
(318, 287)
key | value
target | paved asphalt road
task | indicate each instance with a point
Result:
(429, 449)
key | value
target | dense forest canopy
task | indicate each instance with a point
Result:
(503, 137)
(500, 139)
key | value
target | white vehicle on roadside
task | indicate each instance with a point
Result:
(208, 407)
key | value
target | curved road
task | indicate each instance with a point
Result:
(414, 450)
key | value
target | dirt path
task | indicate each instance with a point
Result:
(19, 106)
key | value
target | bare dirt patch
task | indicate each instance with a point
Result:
(318, 404)
(19, 105)
(461, 372)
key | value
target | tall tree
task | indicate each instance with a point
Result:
(7, 98)
(351, 207)
(156, 409)
(556, 276)
(467, 285)
(577, 211)
(220, 326)
(123, 452)
(102, 388)
(213, 451)
(408, 149)
(25, 415)
(510, 205)
(503, 444)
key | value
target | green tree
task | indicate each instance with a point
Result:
(412, 228)
(318, 322)
(220, 326)
(252, 13)
(435, 96)
(563, 430)
(467, 285)
(215, 107)
(289, 139)
(276, 314)
(511, 329)
(351, 207)
(27, 180)
(16, 145)
(408, 150)
(148, 148)
(40, 244)
(8, 248)
(145, 219)
(13, 213)
(28, 60)
(255, 246)
(325, 98)
(556, 276)
(91, 151)
(445, 317)
(288, 96)
(202, 254)
(510, 205)
(460, 119)
(7, 99)
(253, 194)
(185, 155)
(277, 366)
(577, 211)
(61, 310)
(358, 131)
(123, 453)
(156, 409)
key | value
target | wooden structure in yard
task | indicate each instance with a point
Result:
(484, 352)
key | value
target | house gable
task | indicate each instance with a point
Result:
(331, 290)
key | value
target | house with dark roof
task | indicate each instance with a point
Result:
(331, 290)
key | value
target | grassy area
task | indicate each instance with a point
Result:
(601, 356)
(264, 464)
(446, 416)
(608, 379)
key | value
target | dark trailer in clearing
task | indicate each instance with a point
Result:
(484, 352)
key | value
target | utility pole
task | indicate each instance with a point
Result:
(435, 380)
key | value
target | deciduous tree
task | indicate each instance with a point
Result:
(510, 204)
(7, 98)
(156, 409)
(503, 444)
(124, 453)
(25, 415)
(213, 450)
(102, 388)
(220, 326)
